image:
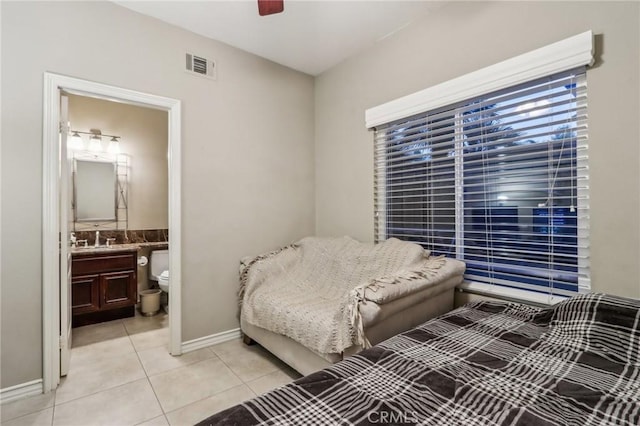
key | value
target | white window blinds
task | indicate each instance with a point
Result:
(498, 181)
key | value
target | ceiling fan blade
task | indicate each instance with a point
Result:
(269, 7)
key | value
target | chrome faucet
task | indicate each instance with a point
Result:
(110, 241)
(73, 240)
(97, 243)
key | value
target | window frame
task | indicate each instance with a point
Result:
(558, 57)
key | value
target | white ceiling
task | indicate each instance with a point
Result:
(309, 36)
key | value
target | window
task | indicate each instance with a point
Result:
(498, 181)
(491, 168)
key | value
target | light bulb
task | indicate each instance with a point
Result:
(75, 141)
(114, 146)
(95, 143)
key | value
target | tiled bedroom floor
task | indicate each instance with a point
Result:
(122, 374)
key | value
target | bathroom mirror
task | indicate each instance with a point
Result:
(95, 191)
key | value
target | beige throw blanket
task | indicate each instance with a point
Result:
(311, 291)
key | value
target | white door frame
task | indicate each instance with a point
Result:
(53, 85)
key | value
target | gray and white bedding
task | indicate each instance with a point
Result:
(487, 363)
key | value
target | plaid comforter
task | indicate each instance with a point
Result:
(486, 363)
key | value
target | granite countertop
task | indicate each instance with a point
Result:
(119, 247)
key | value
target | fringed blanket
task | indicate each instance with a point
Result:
(311, 291)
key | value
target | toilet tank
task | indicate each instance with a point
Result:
(159, 263)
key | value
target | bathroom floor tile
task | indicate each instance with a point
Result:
(182, 386)
(247, 362)
(128, 404)
(158, 360)
(193, 413)
(270, 381)
(151, 339)
(104, 373)
(106, 349)
(40, 418)
(140, 323)
(81, 336)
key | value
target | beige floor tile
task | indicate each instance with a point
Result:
(25, 406)
(138, 324)
(230, 348)
(158, 360)
(157, 421)
(247, 362)
(104, 373)
(185, 385)
(129, 404)
(150, 339)
(270, 381)
(105, 349)
(193, 413)
(40, 418)
(89, 334)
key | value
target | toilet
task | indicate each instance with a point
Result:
(159, 270)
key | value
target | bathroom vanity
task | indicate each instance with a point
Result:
(103, 285)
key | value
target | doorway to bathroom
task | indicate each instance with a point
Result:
(125, 226)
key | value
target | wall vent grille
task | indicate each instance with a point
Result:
(201, 66)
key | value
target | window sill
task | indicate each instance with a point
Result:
(510, 294)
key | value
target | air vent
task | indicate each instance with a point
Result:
(201, 66)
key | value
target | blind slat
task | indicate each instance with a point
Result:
(515, 204)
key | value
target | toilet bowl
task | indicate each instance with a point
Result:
(159, 271)
(163, 281)
(159, 268)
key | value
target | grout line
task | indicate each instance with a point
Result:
(160, 415)
(276, 368)
(136, 351)
(101, 390)
(55, 395)
(149, 381)
(13, 419)
(113, 387)
(211, 396)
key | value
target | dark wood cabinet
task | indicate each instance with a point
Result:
(103, 286)
(85, 294)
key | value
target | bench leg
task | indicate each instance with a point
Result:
(248, 340)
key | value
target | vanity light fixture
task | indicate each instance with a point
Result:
(95, 141)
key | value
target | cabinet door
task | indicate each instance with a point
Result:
(85, 294)
(118, 289)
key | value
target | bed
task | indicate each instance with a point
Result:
(486, 363)
(319, 300)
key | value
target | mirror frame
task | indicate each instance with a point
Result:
(95, 159)
(121, 164)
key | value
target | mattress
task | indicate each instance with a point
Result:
(577, 363)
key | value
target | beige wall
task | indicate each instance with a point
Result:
(459, 38)
(247, 169)
(144, 140)
(248, 153)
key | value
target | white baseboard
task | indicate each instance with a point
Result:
(22, 390)
(212, 339)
